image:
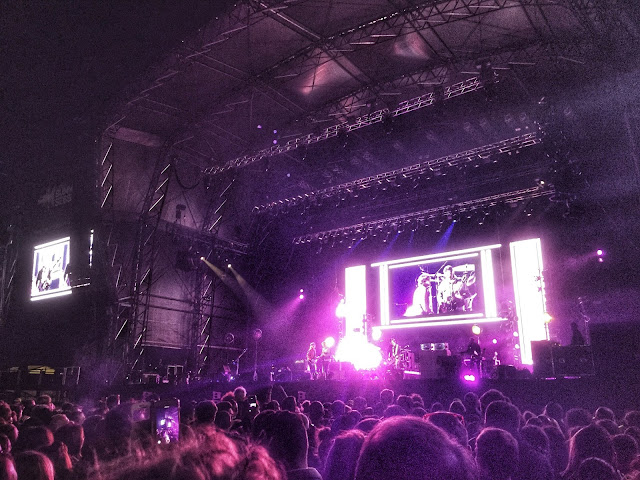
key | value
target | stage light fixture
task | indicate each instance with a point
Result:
(494, 341)
(476, 330)
(329, 342)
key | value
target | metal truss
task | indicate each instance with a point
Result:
(420, 16)
(411, 172)
(437, 76)
(407, 106)
(115, 258)
(9, 259)
(415, 16)
(205, 285)
(366, 229)
(143, 263)
(360, 100)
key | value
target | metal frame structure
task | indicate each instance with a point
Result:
(539, 41)
(397, 222)
(411, 172)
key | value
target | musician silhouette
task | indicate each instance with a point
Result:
(474, 351)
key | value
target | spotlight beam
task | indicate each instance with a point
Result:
(226, 278)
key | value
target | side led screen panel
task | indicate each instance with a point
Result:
(528, 288)
(50, 274)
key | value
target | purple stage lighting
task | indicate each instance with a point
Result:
(599, 252)
(301, 296)
(469, 377)
(495, 341)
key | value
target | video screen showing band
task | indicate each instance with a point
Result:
(50, 274)
(436, 288)
(450, 286)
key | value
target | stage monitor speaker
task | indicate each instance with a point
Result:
(616, 349)
(507, 372)
(542, 354)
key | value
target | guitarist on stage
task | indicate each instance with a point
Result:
(312, 359)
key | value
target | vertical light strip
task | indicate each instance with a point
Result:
(528, 289)
(355, 289)
(488, 284)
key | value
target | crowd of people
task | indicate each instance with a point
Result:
(271, 436)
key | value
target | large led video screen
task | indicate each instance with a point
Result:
(50, 274)
(444, 287)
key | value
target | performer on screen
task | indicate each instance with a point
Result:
(446, 288)
(312, 359)
(422, 297)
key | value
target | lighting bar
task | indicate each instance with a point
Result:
(445, 323)
(366, 228)
(414, 171)
(472, 316)
(411, 105)
(430, 260)
(456, 254)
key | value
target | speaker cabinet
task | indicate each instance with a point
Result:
(573, 361)
(553, 360)
(437, 364)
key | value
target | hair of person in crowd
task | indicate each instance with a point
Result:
(497, 454)
(7, 467)
(343, 456)
(594, 468)
(626, 450)
(504, 415)
(452, 423)
(31, 465)
(408, 448)
(589, 441)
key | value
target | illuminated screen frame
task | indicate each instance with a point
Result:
(49, 276)
(487, 281)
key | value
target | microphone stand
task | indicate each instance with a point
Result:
(586, 320)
